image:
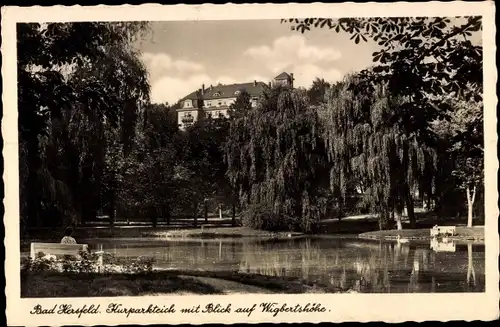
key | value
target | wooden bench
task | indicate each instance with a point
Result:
(56, 249)
(438, 230)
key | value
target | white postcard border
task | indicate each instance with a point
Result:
(340, 307)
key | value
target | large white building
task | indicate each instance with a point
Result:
(215, 101)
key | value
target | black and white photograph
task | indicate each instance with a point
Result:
(298, 155)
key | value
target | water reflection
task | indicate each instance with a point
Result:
(442, 246)
(349, 264)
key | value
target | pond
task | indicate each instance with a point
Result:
(348, 263)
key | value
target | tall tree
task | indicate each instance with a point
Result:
(64, 93)
(149, 183)
(373, 137)
(241, 105)
(276, 162)
(203, 165)
(317, 91)
(464, 154)
(421, 59)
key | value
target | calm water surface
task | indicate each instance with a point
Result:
(349, 263)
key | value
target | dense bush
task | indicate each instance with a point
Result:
(260, 216)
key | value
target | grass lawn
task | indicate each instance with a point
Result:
(462, 234)
(53, 284)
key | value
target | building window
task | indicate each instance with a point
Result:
(237, 93)
(216, 94)
(187, 103)
(209, 103)
(220, 103)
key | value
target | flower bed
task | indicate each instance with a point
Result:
(86, 262)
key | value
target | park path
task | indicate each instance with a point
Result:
(229, 287)
(224, 286)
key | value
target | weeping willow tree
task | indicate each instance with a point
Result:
(80, 90)
(276, 161)
(380, 140)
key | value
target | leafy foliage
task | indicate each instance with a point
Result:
(81, 87)
(276, 162)
(241, 105)
(317, 91)
(148, 186)
(422, 62)
(421, 57)
(202, 155)
(371, 137)
(463, 153)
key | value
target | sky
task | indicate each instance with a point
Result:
(180, 56)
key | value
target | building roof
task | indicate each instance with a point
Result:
(220, 91)
(283, 75)
(227, 91)
(192, 96)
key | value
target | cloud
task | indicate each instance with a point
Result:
(172, 79)
(225, 80)
(291, 51)
(160, 64)
(305, 74)
(171, 89)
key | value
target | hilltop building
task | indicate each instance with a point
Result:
(215, 101)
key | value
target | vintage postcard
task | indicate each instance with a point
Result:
(250, 163)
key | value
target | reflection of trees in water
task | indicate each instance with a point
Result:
(364, 266)
(471, 273)
(281, 258)
(185, 255)
(376, 267)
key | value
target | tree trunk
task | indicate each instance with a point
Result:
(410, 207)
(167, 213)
(470, 205)
(383, 219)
(233, 216)
(220, 211)
(162, 212)
(471, 274)
(195, 214)
(397, 218)
(153, 216)
(205, 209)
(31, 193)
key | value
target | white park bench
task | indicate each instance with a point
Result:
(57, 249)
(439, 230)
